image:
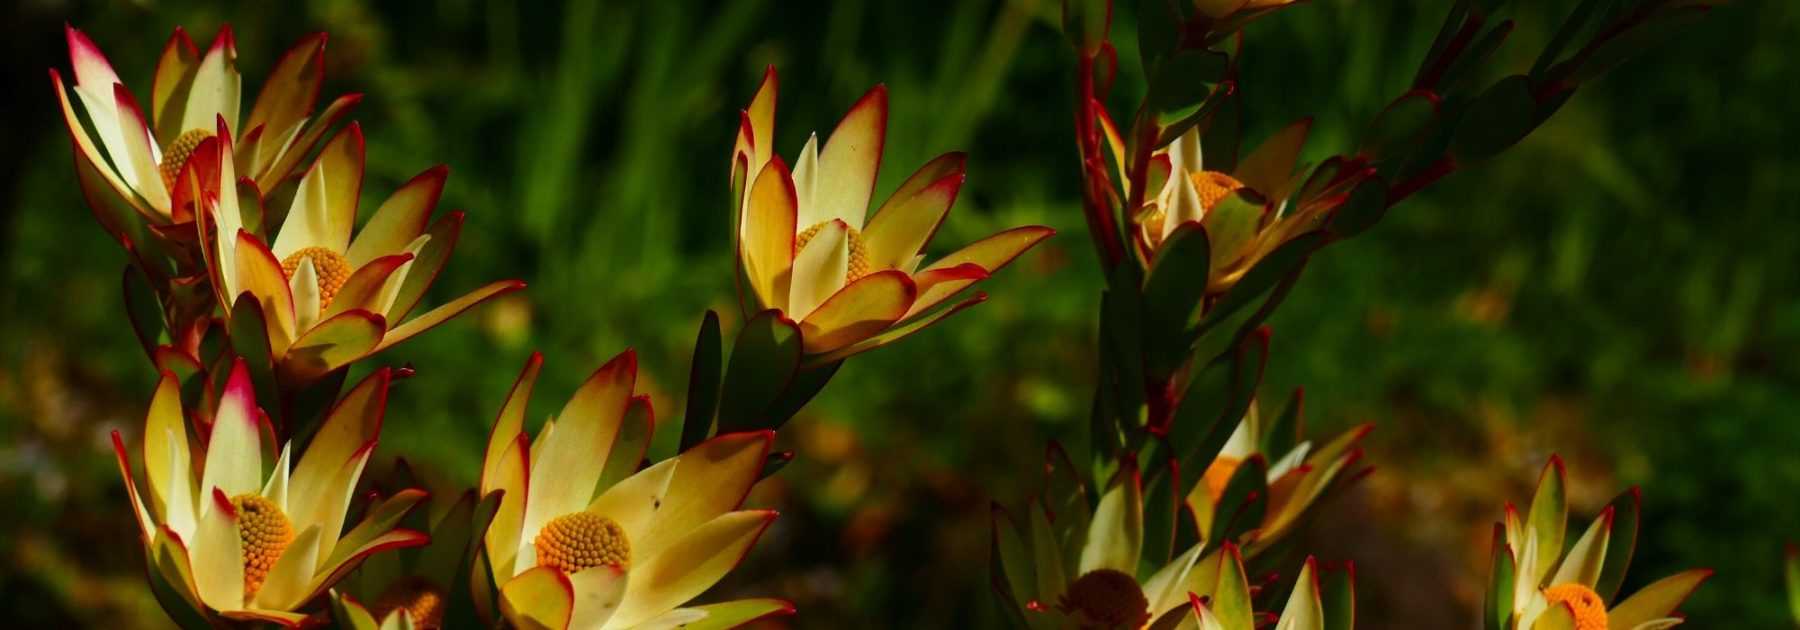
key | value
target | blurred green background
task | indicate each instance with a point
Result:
(1620, 288)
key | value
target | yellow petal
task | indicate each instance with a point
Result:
(146, 529)
(216, 87)
(502, 538)
(217, 555)
(288, 580)
(400, 219)
(443, 313)
(819, 269)
(767, 245)
(1658, 600)
(234, 451)
(353, 422)
(507, 429)
(732, 614)
(907, 220)
(328, 509)
(324, 210)
(166, 454)
(598, 593)
(259, 271)
(289, 93)
(362, 290)
(859, 311)
(806, 184)
(539, 599)
(333, 344)
(565, 472)
(709, 479)
(990, 254)
(691, 565)
(304, 286)
(850, 159)
(135, 133)
(762, 119)
(633, 502)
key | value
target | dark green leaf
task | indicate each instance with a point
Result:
(1172, 293)
(1283, 432)
(1158, 30)
(1496, 611)
(1224, 130)
(1184, 80)
(250, 341)
(1640, 38)
(763, 361)
(1402, 124)
(1497, 119)
(703, 383)
(1619, 547)
(1337, 591)
(144, 310)
(1162, 502)
(1243, 502)
(807, 383)
(1365, 207)
(1085, 23)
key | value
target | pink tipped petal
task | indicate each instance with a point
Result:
(1658, 600)
(277, 617)
(862, 309)
(906, 223)
(761, 116)
(288, 581)
(400, 219)
(89, 154)
(289, 156)
(217, 86)
(218, 555)
(850, 159)
(709, 479)
(509, 424)
(166, 454)
(146, 529)
(330, 574)
(634, 501)
(768, 234)
(512, 471)
(333, 343)
(819, 269)
(428, 262)
(990, 254)
(635, 433)
(292, 88)
(381, 520)
(691, 565)
(329, 506)
(353, 421)
(259, 272)
(136, 133)
(234, 452)
(942, 283)
(897, 333)
(91, 67)
(540, 599)
(324, 210)
(565, 471)
(169, 89)
(443, 313)
(365, 284)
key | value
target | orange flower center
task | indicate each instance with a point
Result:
(1590, 610)
(859, 251)
(176, 154)
(331, 267)
(1105, 599)
(1214, 187)
(264, 532)
(582, 540)
(1219, 474)
(422, 601)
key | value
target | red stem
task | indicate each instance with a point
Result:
(1099, 216)
(1436, 171)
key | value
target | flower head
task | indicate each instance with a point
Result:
(808, 247)
(1536, 584)
(583, 539)
(136, 159)
(1296, 473)
(229, 542)
(329, 294)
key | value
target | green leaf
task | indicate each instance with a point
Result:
(1158, 30)
(1185, 80)
(807, 383)
(249, 338)
(1231, 225)
(1010, 564)
(144, 310)
(1046, 556)
(1283, 433)
(1121, 319)
(1617, 50)
(1402, 124)
(1497, 608)
(1339, 594)
(1116, 537)
(1224, 130)
(1624, 509)
(1365, 207)
(1066, 498)
(1268, 169)
(1215, 400)
(763, 361)
(1241, 505)
(703, 383)
(1172, 293)
(1162, 506)
(1573, 25)
(1085, 23)
(1499, 118)
(1285, 261)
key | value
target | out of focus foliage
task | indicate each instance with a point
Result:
(1620, 288)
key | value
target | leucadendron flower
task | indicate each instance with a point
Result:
(224, 539)
(1296, 473)
(136, 159)
(808, 246)
(1064, 564)
(1261, 204)
(583, 539)
(328, 293)
(1536, 585)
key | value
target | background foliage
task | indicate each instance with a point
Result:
(1621, 288)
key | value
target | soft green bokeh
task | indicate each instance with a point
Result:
(1620, 288)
